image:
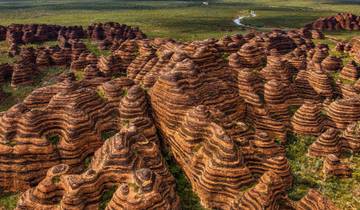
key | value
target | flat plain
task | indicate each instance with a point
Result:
(194, 20)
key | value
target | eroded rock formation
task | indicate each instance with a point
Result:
(223, 108)
(334, 167)
(341, 21)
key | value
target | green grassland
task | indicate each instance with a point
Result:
(191, 20)
(185, 20)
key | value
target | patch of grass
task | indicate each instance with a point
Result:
(14, 96)
(79, 75)
(9, 201)
(17, 95)
(101, 93)
(87, 162)
(345, 57)
(342, 35)
(4, 58)
(107, 134)
(54, 139)
(336, 77)
(125, 92)
(106, 197)
(189, 200)
(93, 47)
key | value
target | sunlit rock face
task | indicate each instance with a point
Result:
(341, 21)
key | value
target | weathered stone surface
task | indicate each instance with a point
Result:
(344, 111)
(308, 120)
(354, 48)
(52, 126)
(315, 200)
(223, 108)
(23, 74)
(264, 195)
(350, 72)
(127, 162)
(351, 137)
(334, 167)
(341, 21)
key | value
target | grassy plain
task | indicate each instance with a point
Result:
(184, 20)
(192, 20)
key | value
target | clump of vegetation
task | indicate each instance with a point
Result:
(125, 92)
(292, 109)
(189, 200)
(53, 139)
(8, 201)
(17, 95)
(14, 96)
(336, 77)
(87, 162)
(225, 56)
(93, 48)
(11, 143)
(106, 197)
(55, 179)
(134, 186)
(105, 135)
(79, 75)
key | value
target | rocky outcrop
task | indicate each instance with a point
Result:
(77, 48)
(321, 52)
(354, 46)
(127, 52)
(276, 69)
(116, 89)
(264, 195)
(110, 65)
(303, 87)
(128, 163)
(56, 124)
(113, 31)
(61, 57)
(251, 56)
(344, 111)
(194, 125)
(91, 72)
(80, 63)
(23, 74)
(341, 21)
(43, 58)
(31, 33)
(224, 118)
(334, 167)
(351, 137)
(320, 81)
(230, 44)
(331, 64)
